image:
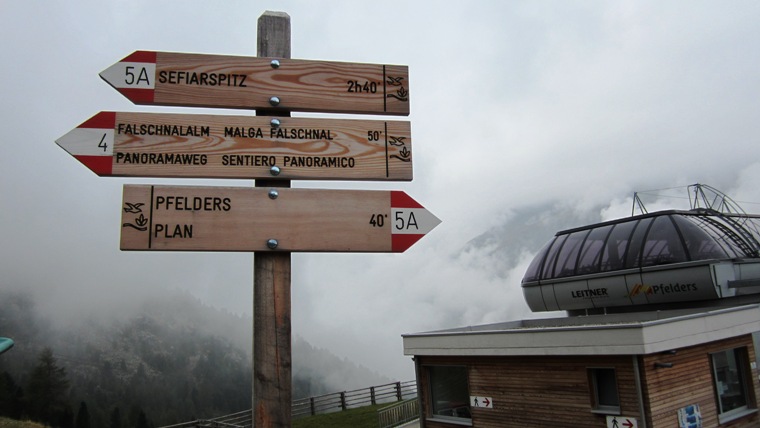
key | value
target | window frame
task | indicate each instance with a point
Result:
(430, 413)
(744, 373)
(595, 392)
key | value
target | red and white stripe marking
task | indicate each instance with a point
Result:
(409, 220)
(134, 76)
(92, 142)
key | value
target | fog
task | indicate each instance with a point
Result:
(521, 112)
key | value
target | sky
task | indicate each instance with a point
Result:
(514, 105)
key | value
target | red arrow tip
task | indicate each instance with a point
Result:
(402, 242)
(400, 199)
(101, 165)
(102, 120)
(141, 56)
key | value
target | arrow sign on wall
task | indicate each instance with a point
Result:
(621, 422)
(481, 402)
(174, 218)
(246, 147)
(197, 80)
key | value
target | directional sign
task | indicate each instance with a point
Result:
(250, 147)
(482, 402)
(621, 422)
(196, 80)
(174, 218)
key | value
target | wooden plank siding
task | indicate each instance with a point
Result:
(690, 381)
(534, 392)
(551, 391)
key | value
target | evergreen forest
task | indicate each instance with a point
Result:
(171, 361)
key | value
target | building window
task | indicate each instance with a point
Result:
(449, 393)
(604, 391)
(731, 380)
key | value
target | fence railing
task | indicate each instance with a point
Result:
(236, 420)
(399, 413)
(339, 401)
(335, 402)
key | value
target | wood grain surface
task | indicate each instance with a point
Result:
(246, 147)
(226, 81)
(189, 218)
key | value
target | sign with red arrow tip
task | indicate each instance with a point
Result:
(621, 422)
(247, 147)
(199, 80)
(184, 218)
(481, 402)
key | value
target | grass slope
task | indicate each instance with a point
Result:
(12, 423)
(363, 417)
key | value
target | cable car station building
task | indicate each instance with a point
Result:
(662, 311)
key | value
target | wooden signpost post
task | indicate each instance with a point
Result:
(272, 341)
(212, 146)
(271, 220)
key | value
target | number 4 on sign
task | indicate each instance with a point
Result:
(102, 144)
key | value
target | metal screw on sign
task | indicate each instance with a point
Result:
(273, 194)
(272, 244)
(275, 123)
(275, 63)
(275, 170)
(274, 101)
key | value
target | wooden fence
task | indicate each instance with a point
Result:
(339, 401)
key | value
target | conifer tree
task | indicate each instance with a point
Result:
(142, 421)
(11, 397)
(47, 392)
(83, 417)
(115, 419)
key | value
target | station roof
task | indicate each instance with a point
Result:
(637, 333)
(653, 239)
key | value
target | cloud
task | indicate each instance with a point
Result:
(515, 106)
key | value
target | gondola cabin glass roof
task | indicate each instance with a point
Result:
(648, 240)
(629, 251)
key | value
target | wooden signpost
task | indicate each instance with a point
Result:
(271, 220)
(196, 80)
(185, 218)
(212, 146)
(272, 340)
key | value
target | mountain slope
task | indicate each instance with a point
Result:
(173, 359)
